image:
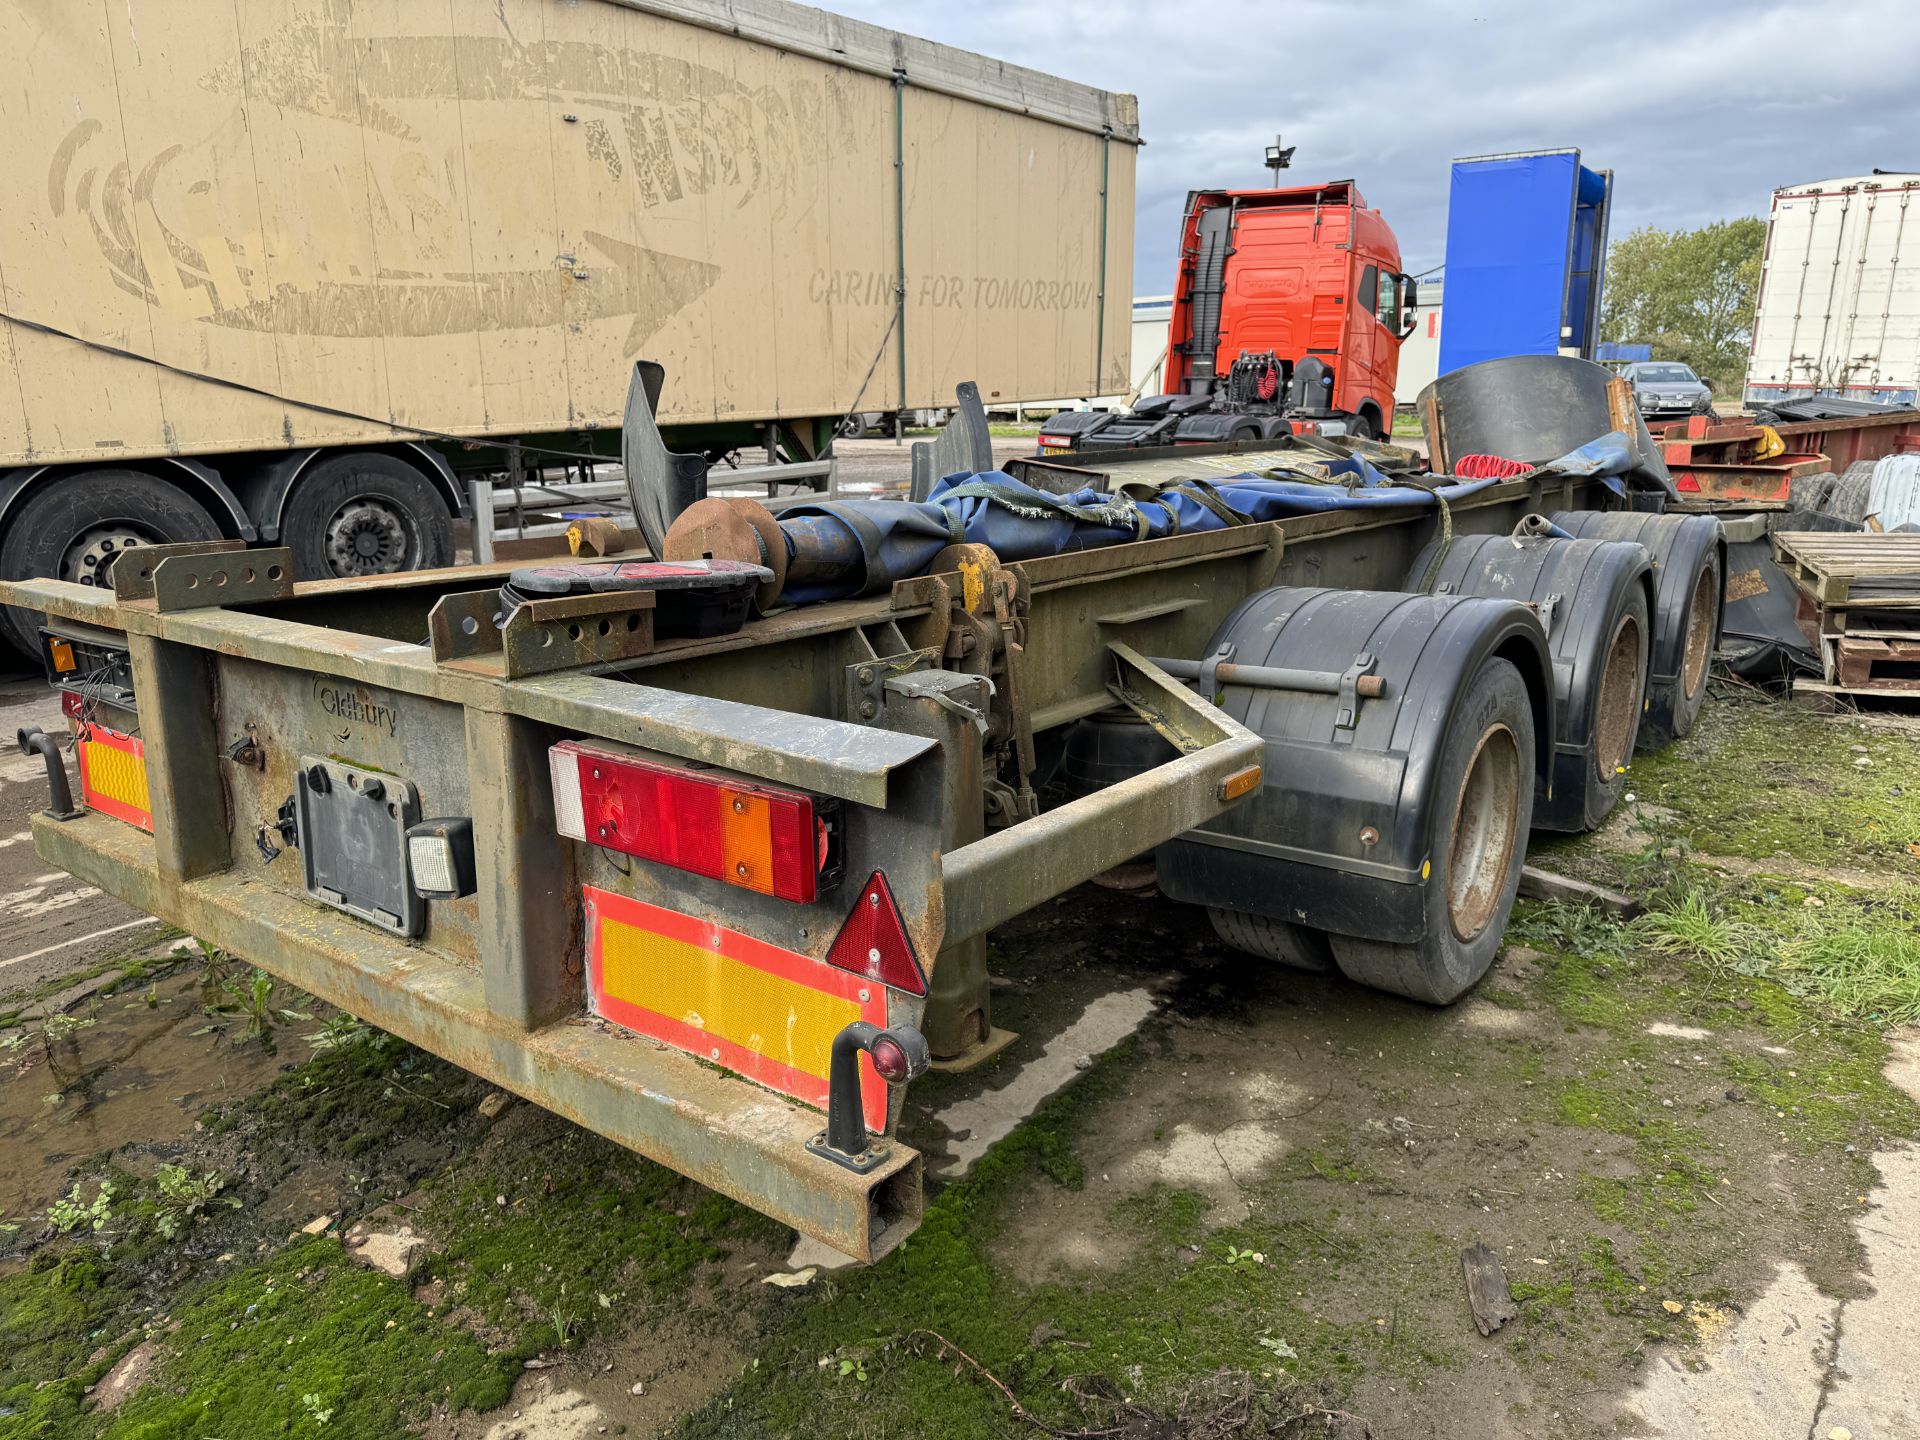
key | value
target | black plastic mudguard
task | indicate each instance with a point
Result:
(1215, 428)
(1580, 586)
(1338, 836)
(1076, 425)
(1678, 545)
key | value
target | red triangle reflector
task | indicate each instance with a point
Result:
(874, 941)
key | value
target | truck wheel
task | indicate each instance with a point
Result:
(366, 514)
(1477, 841)
(72, 529)
(1297, 946)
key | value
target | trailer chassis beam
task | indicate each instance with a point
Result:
(743, 1141)
(1010, 871)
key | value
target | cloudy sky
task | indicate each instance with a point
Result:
(1700, 108)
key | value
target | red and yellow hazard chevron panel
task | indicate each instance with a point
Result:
(768, 1014)
(113, 774)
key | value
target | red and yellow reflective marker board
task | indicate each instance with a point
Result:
(113, 775)
(768, 1014)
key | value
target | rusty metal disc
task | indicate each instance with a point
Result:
(773, 544)
(975, 564)
(711, 530)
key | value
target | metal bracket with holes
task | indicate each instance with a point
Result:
(226, 577)
(563, 633)
(133, 568)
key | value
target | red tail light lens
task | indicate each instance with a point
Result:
(890, 1061)
(755, 836)
(874, 942)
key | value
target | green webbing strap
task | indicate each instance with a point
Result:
(1203, 494)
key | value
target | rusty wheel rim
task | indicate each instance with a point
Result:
(1619, 701)
(1486, 827)
(1699, 634)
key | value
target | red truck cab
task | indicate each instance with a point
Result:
(1305, 271)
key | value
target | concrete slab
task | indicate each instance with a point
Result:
(1875, 1385)
(1763, 1380)
(1800, 1365)
(980, 1121)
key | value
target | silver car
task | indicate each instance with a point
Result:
(1666, 387)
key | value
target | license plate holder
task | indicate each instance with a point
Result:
(352, 825)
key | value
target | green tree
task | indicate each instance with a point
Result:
(1689, 294)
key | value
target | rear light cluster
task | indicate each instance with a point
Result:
(777, 842)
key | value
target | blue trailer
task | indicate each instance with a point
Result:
(1526, 245)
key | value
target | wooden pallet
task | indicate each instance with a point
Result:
(1803, 686)
(1888, 666)
(1881, 572)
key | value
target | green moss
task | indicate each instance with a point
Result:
(1165, 1215)
(65, 1305)
(1829, 1093)
(589, 1234)
(1560, 1294)
(1175, 1306)
(1787, 784)
(275, 1347)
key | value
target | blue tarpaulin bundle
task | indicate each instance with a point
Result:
(845, 548)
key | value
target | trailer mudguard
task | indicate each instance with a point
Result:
(1689, 554)
(1591, 595)
(1337, 838)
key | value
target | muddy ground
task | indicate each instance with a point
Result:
(1200, 1196)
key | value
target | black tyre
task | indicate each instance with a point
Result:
(366, 514)
(72, 528)
(1684, 625)
(1477, 839)
(1809, 492)
(1619, 697)
(1848, 499)
(1365, 427)
(1284, 943)
(1702, 633)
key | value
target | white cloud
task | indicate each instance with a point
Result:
(1699, 110)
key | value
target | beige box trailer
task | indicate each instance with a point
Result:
(247, 245)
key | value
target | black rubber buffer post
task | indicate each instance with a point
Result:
(846, 1140)
(35, 741)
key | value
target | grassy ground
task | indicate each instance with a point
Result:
(1245, 1220)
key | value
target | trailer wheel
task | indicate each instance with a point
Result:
(1593, 595)
(1684, 624)
(366, 514)
(1618, 699)
(1477, 841)
(1280, 941)
(72, 529)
